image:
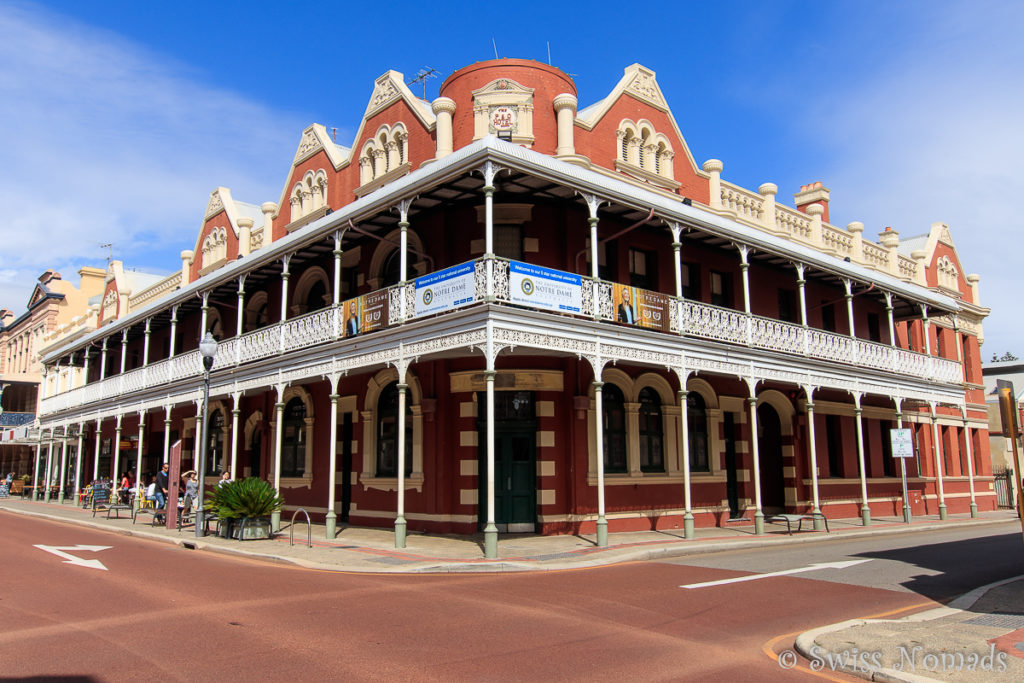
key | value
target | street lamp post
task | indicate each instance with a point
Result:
(207, 349)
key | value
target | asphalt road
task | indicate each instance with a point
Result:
(168, 613)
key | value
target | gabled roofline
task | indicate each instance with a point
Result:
(540, 165)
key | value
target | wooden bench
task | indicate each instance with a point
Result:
(158, 515)
(789, 519)
(18, 486)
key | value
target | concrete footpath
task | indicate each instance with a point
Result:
(363, 549)
(980, 636)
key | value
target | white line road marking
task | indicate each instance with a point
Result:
(784, 572)
(58, 550)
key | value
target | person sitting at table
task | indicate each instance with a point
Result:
(124, 489)
(154, 494)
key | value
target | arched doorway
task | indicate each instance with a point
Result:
(769, 446)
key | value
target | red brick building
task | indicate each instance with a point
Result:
(662, 348)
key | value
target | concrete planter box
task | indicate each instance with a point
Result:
(254, 528)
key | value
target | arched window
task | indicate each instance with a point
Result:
(613, 415)
(387, 433)
(316, 298)
(697, 425)
(293, 441)
(652, 454)
(215, 443)
(393, 266)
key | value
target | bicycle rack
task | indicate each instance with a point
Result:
(309, 528)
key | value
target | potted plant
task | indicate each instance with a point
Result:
(245, 505)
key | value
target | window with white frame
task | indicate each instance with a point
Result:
(385, 152)
(641, 146)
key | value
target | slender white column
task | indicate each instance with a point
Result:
(240, 316)
(284, 296)
(332, 516)
(279, 412)
(235, 413)
(490, 527)
(103, 359)
(400, 525)
(174, 328)
(677, 247)
(205, 314)
(85, 368)
(62, 479)
(142, 431)
(35, 469)
(801, 288)
(96, 454)
(489, 233)
(78, 461)
(745, 270)
(938, 462)
(819, 523)
(602, 521)
(336, 300)
(49, 469)
(892, 322)
(684, 442)
(865, 510)
(403, 226)
(167, 434)
(970, 460)
(117, 452)
(924, 326)
(848, 284)
(145, 343)
(124, 349)
(754, 449)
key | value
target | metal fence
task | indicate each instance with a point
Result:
(1004, 489)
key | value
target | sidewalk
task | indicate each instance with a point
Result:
(979, 636)
(362, 549)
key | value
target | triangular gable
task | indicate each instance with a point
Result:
(640, 83)
(314, 139)
(40, 293)
(220, 200)
(389, 88)
(940, 234)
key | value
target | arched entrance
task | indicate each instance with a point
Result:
(769, 446)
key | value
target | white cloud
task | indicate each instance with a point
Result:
(934, 135)
(104, 141)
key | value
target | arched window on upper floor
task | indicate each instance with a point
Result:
(215, 247)
(387, 151)
(309, 194)
(946, 273)
(641, 146)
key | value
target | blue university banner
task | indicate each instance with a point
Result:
(539, 287)
(444, 290)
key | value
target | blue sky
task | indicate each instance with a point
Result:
(117, 119)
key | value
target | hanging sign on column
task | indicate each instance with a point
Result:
(367, 313)
(445, 290)
(640, 307)
(539, 287)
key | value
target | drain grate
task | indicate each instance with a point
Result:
(1011, 621)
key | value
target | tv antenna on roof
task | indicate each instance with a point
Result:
(110, 252)
(422, 76)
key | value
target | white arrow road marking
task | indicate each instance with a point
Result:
(784, 572)
(58, 550)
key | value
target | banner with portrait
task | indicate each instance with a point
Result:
(363, 314)
(539, 287)
(640, 307)
(445, 290)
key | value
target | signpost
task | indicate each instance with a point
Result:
(903, 448)
(1011, 430)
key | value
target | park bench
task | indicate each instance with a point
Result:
(18, 486)
(789, 520)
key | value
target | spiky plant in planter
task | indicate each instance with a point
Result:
(250, 499)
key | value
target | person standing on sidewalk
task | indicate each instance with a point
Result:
(161, 484)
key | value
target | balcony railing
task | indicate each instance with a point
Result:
(469, 282)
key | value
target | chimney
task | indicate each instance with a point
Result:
(815, 193)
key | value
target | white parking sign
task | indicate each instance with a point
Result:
(902, 443)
